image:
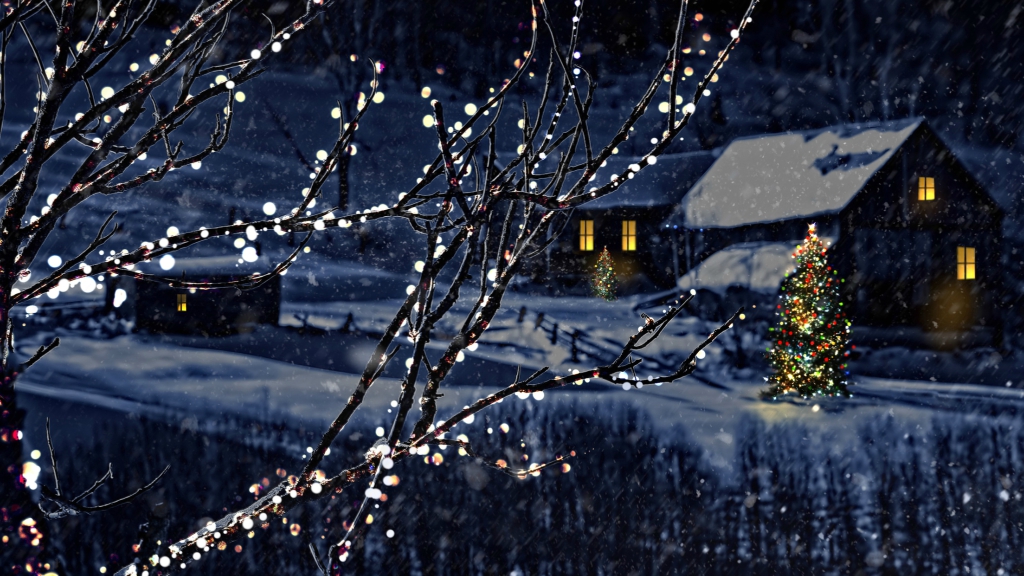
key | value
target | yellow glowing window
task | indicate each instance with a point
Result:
(628, 235)
(182, 307)
(925, 188)
(586, 235)
(965, 263)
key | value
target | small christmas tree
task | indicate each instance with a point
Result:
(602, 279)
(810, 344)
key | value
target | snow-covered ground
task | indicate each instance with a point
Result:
(305, 378)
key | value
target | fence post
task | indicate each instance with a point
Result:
(554, 333)
(575, 350)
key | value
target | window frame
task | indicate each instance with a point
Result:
(182, 303)
(629, 236)
(925, 188)
(966, 263)
(586, 235)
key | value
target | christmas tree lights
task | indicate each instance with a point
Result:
(811, 341)
(602, 279)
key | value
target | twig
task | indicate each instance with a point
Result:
(73, 507)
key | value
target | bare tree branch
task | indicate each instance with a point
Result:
(529, 198)
(66, 507)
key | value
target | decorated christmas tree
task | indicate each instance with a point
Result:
(602, 279)
(810, 344)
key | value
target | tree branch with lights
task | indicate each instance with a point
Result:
(525, 204)
(105, 142)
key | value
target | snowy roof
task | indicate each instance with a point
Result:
(663, 184)
(227, 265)
(759, 266)
(791, 175)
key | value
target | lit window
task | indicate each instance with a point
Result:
(587, 235)
(628, 235)
(925, 188)
(964, 263)
(181, 303)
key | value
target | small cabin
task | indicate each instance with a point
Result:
(160, 309)
(915, 236)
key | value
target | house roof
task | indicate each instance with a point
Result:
(778, 177)
(226, 265)
(663, 184)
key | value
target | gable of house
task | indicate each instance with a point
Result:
(922, 186)
(921, 207)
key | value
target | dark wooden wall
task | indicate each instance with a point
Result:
(650, 265)
(208, 312)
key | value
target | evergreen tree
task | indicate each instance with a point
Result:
(810, 344)
(602, 279)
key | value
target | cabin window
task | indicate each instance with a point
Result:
(586, 235)
(628, 235)
(925, 188)
(965, 263)
(182, 307)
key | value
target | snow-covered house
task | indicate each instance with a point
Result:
(158, 308)
(630, 223)
(917, 238)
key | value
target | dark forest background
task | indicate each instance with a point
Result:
(821, 61)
